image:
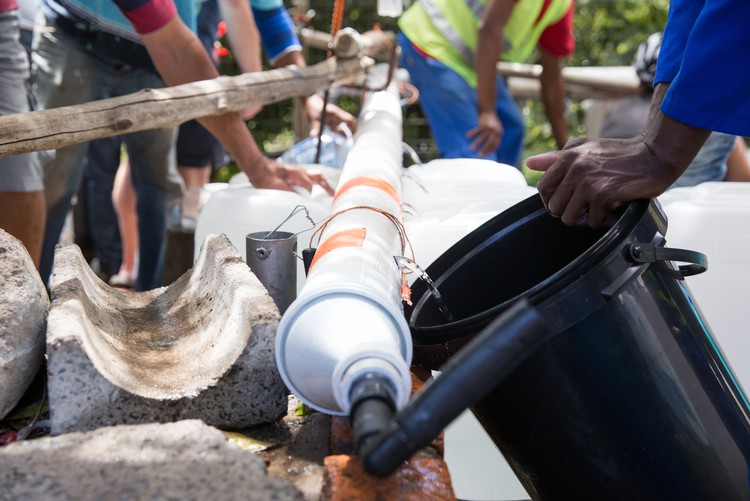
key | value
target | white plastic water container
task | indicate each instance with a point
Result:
(333, 153)
(444, 187)
(445, 200)
(241, 209)
(478, 471)
(714, 218)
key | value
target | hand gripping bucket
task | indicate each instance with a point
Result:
(631, 398)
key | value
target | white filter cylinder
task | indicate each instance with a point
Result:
(348, 319)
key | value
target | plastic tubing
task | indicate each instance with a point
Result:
(465, 380)
(347, 322)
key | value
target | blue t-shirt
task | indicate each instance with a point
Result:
(703, 56)
(123, 18)
(272, 19)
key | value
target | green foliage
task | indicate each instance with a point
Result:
(303, 410)
(607, 33)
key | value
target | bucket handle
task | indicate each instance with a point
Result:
(649, 253)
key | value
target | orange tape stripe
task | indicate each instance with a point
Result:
(372, 182)
(354, 237)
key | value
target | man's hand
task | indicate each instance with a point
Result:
(487, 135)
(249, 113)
(588, 180)
(335, 116)
(269, 174)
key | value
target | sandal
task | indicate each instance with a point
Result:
(122, 280)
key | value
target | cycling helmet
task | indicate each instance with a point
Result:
(645, 59)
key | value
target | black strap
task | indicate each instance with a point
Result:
(92, 38)
(649, 253)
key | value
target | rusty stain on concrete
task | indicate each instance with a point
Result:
(424, 477)
(418, 479)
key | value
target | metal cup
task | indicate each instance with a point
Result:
(272, 257)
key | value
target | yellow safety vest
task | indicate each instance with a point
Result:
(447, 30)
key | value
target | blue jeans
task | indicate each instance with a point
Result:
(710, 164)
(67, 72)
(99, 175)
(450, 106)
(20, 173)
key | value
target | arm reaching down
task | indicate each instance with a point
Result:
(242, 33)
(180, 58)
(489, 131)
(335, 115)
(553, 96)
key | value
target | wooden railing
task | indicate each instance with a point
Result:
(170, 106)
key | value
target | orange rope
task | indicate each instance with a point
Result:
(337, 19)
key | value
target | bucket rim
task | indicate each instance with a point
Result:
(603, 250)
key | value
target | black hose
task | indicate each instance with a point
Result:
(465, 380)
(372, 410)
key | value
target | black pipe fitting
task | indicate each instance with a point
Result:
(373, 408)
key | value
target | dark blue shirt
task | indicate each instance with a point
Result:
(703, 55)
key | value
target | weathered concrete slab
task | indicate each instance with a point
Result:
(186, 460)
(200, 348)
(24, 306)
(300, 445)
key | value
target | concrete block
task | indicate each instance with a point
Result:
(187, 460)
(24, 305)
(199, 348)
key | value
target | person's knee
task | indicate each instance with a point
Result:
(23, 216)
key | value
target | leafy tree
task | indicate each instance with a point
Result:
(607, 33)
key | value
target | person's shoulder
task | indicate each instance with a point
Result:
(148, 16)
(558, 38)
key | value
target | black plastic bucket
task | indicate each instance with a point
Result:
(632, 399)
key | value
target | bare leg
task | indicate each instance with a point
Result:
(195, 176)
(195, 179)
(23, 216)
(124, 200)
(738, 166)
